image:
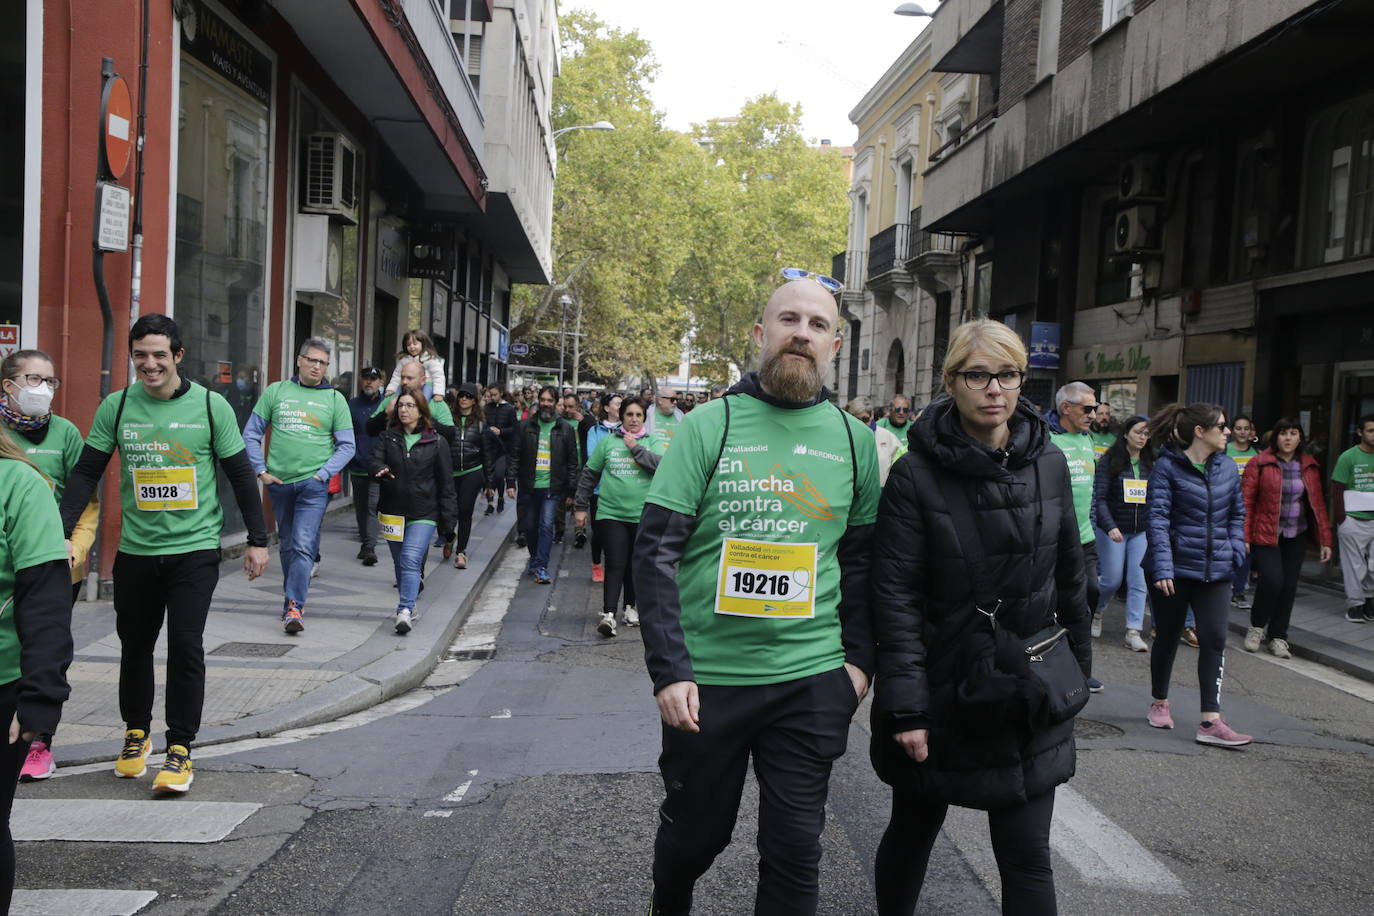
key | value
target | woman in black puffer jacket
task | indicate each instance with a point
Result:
(927, 743)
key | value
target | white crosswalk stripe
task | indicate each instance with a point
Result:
(119, 821)
(66, 902)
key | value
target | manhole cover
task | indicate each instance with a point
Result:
(1090, 728)
(471, 655)
(253, 649)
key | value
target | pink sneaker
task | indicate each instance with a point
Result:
(1159, 714)
(38, 765)
(1219, 733)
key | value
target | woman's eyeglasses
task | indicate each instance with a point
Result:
(796, 273)
(1007, 379)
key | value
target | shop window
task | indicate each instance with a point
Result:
(1113, 11)
(1121, 394)
(1217, 383)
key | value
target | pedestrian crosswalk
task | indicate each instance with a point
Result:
(121, 821)
(64, 902)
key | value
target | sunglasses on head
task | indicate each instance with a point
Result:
(796, 273)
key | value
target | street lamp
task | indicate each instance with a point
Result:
(911, 9)
(599, 125)
(563, 302)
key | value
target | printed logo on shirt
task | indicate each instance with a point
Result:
(186, 426)
(803, 449)
(766, 495)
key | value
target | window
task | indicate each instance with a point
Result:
(1047, 58)
(982, 286)
(1113, 11)
(1338, 209)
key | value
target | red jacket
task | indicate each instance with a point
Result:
(1263, 489)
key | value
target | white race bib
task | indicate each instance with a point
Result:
(165, 489)
(766, 579)
(1133, 491)
(392, 527)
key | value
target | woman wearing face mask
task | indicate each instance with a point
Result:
(624, 465)
(53, 445)
(609, 426)
(1283, 503)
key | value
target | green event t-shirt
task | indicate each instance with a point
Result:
(174, 508)
(624, 483)
(1239, 456)
(665, 427)
(1082, 458)
(1201, 468)
(1102, 442)
(303, 421)
(901, 432)
(438, 409)
(32, 535)
(543, 455)
(769, 518)
(56, 455)
(1355, 469)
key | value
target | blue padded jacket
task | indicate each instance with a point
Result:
(1196, 527)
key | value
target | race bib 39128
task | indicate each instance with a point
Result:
(165, 489)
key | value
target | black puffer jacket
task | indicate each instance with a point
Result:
(562, 457)
(422, 483)
(923, 613)
(474, 445)
(502, 416)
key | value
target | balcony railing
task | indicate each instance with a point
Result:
(855, 273)
(837, 266)
(888, 249)
(984, 120)
(926, 242)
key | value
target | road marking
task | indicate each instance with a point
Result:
(1102, 852)
(503, 714)
(483, 625)
(1322, 674)
(120, 821)
(457, 794)
(440, 812)
(562, 574)
(64, 902)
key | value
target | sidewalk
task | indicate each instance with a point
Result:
(1319, 632)
(259, 680)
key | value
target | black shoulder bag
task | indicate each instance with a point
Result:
(1051, 660)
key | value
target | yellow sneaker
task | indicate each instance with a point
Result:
(133, 760)
(175, 775)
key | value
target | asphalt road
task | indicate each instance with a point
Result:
(526, 784)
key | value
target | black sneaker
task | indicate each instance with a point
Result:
(520, 540)
(1356, 614)
(491, 510)
(362, 553)
(557, 538)
(368, 556)
(1094, 685)
(1369, 610)
(581, 540)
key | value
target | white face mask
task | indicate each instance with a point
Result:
(35, 401)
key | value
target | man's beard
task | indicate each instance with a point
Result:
(546, 414)
(795, 383)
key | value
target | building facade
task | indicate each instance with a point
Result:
(346, 169)
(902, 286)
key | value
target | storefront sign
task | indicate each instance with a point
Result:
(9, 339)
(215, 43)
(1131, 361)
(1149, 357)
(1044, 345)
(431, 253)
(391, 261)
(112, 217)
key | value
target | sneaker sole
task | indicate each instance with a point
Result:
(293, 627)
(35, 777)
(606, 630)
(1157, 724)
(119, 775)
(1220, 742)
(178, 789)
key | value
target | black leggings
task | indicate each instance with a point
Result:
(1020, 841)
(467, 487)
(1278, 569)
(619, 542)
(1211, 606)
(11, 760)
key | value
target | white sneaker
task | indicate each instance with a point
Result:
(607, 625)
(1135, 643)
(631, 616)
(315, 571)
(1253, 637)
(1097, 625)
(405, 620)
(1279, 648)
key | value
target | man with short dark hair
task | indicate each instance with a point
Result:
(544, 464)
(169, 432)
(312, 440)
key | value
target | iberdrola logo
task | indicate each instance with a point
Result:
(801, 448)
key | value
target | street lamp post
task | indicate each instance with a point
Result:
(577, 346)
(563, 302)
(911, 9)
(599, 125)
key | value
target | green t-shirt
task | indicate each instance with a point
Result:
(624, 483)
(543, 455)
(1201, 468)
(438, 409)
(759, 581)
(1102, 442)
(1355, 469)
(56, 455)
(1241, 457)
(303, 421)
(1082, 458)
(665, 426)
(32, 535)
(900, 432)
(173, 506)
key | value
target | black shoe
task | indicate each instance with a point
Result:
(1369, 610)
(500, 505)
(581, 540)
(558, 538)
(491, 510)
(362, 552)
(369, 556)
(1355, 615)
(520, 540)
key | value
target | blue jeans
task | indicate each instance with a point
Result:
(299, 510)
(1115, 562)
(537, 511)
(408, 556)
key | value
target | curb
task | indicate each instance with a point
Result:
(1323, 650)
(352, 692)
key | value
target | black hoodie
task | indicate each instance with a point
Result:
(922, 602)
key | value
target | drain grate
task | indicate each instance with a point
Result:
(253, 649)
(1090, 728)
(471, 655)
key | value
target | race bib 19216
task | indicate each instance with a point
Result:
(165, 489)
(766, 579)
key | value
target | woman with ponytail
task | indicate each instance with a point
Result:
(1195, 540)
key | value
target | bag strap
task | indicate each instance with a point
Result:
(711, 473)
(970, 537)
(119, 412)
(853, 454)
(210, 422)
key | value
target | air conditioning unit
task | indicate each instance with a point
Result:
(1137, 229)
(331, 176)
(1139, 177)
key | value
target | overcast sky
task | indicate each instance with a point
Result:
(713, 57)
